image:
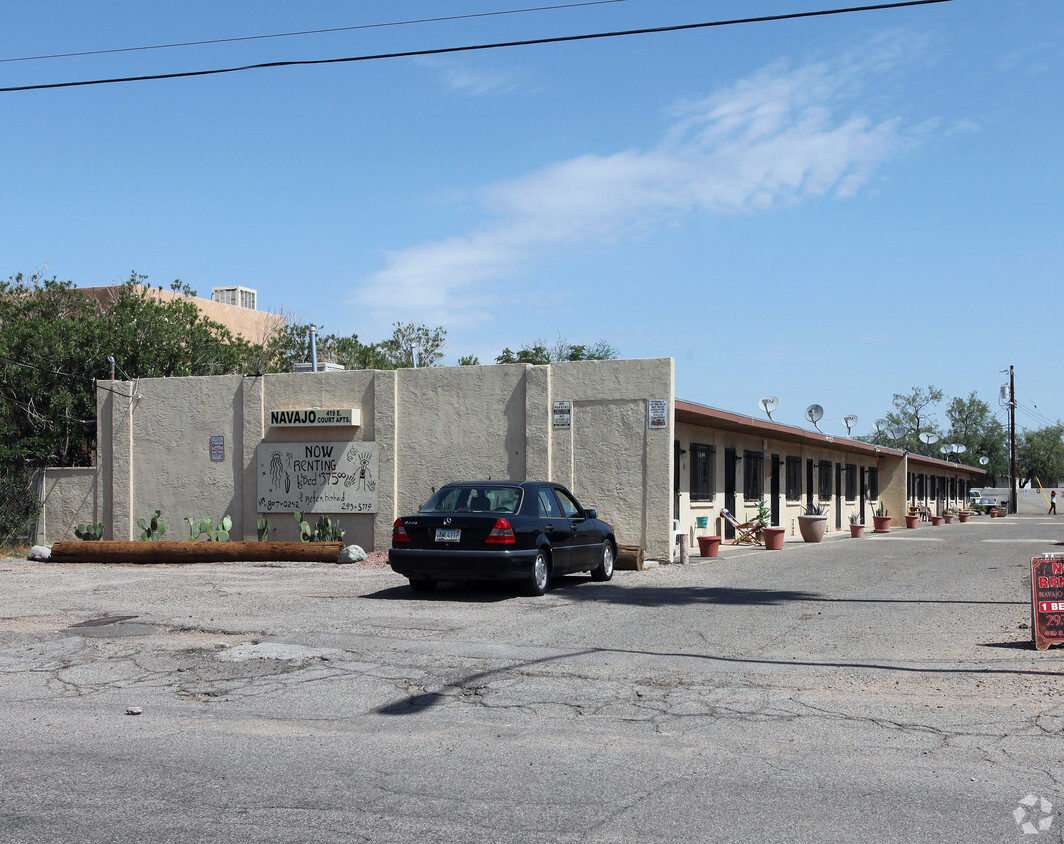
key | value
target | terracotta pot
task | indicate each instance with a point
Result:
(993, 514)
(948, 517)
(937, 520)
(912, 521)
(963, 517)
(856, 531)
(812, 528)
(882, 524)
(774, 538)
(709, 546)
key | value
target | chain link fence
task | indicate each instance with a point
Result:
(21, 486)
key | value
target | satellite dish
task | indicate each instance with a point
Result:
(945, 449)
(814, 413)
(928, 438)
(769, 404)
(881, 425)
(849, 421)
(897, 432)
(958, 448)
(984, 460)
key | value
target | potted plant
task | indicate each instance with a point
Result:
(881, 519)
(936, 520)
(963, 515)
(948, 515)
(771, 536)
(912, 518)
(813, 523)
(856, 527)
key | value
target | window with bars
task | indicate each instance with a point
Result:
(753, 475)
(823, 477)
(703, 469)
(794, 478)
(851, 482)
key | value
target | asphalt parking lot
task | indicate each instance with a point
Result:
(879, 689)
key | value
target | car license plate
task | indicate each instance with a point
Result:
(448, 534)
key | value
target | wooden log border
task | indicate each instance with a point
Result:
(80, 551)
(629, 558)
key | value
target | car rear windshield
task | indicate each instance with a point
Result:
(475, 499)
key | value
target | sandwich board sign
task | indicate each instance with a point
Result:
(1047, 600)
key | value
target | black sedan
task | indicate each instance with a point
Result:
(496, 530)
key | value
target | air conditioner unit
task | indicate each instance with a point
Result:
(241, 297)
(323, 366)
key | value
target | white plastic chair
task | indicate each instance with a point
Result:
(677, 531)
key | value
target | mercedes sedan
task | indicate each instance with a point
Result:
(496, 530)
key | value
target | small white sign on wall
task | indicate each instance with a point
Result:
(317, 477)
(563, 415)
(658, 414)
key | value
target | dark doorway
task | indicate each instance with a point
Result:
(838, 496)
(729, 489)
(863, 495)
(774, 489)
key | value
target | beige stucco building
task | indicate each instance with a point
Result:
(245, 321)
(364, 447)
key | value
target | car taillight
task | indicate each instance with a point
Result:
(399, 533)
(502, 533)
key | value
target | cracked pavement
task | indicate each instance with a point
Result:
(883, 688)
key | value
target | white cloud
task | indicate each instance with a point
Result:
(470, 80)
(780, 137)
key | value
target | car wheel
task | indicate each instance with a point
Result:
(604, 570)
(536, 583)
(422, 584)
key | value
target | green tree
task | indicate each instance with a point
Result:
(540, 353)
(911, 414)
(1040, 454)
(972, 424)
(55, 343)
(414, 345)
(407, 342)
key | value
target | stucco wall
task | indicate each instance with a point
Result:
(69, 499)
(430, 425)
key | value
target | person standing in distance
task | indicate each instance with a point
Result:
(1052, 503)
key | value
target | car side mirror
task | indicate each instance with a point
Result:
(591, 514)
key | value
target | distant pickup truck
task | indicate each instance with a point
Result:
(988, 501)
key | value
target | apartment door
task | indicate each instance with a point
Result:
(729, 489)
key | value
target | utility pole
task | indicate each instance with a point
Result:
(1014, 493)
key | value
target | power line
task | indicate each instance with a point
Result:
(308, 32)
(561, 39)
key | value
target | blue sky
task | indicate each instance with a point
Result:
(828, 210)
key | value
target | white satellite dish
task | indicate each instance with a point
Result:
(958, 448)
(928, 438)
(769, 404)
(849, 421)
(814, 413)
(880, 425)
(897, 432)
(945, 449)
(984, 460)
